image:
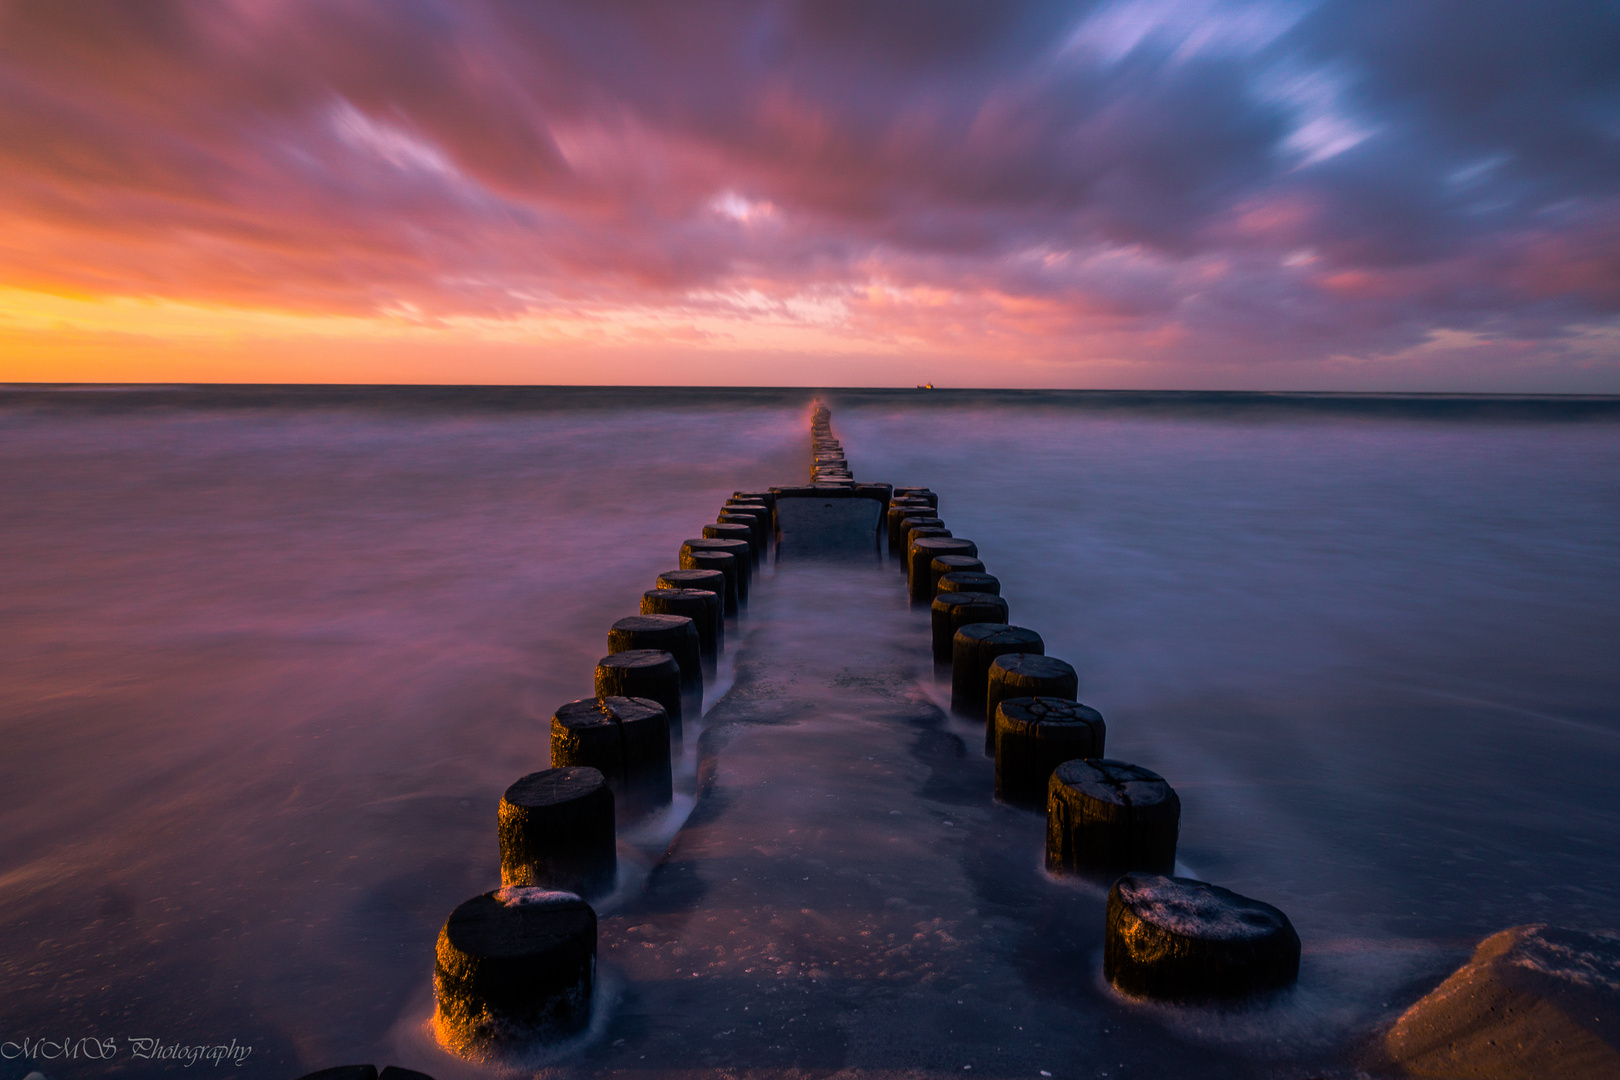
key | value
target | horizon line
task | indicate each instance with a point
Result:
(8, 386)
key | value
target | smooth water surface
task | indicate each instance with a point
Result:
(266, 674)
(267, 668)
(1375, 656)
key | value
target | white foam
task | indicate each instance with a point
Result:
(1534, 952)
(1347, 987)
(1196, 910)
(412, 1042)
(533, 896)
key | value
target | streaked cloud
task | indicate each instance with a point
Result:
(1168, 192)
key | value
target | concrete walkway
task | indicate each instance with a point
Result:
(846, 898)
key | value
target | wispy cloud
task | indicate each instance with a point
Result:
(1175, 191)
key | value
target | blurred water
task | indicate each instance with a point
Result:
(1376, 657)
(268, 665)
(266, 673)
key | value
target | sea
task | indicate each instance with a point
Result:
(270, 655)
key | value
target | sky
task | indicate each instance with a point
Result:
(1403, 195)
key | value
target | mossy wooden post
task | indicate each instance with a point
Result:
(644, 673)
(756, 517)
(963, 581)
(921, 551)
(744, 531)
(918, 493)
(1024, 675)
(675, 634)
(701, 605)
(737, 549)
(951, 564)
(920, 526)
(894, 518)
(952, 611)
(723, 563)
(1034, 735)
(626, 740)
(556, 830)
(973, 649)
(1176, 939)
(514, 967)
(1105, 818)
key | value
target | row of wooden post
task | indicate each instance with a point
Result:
(516, 965)
(1107, 820)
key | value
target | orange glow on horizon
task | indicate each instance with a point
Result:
(877, 334)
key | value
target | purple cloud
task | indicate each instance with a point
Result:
(1147, 180)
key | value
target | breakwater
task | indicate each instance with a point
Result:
(515, 979)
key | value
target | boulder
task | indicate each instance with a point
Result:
(1536, 1002)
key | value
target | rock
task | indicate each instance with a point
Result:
(877, 492)
(807, 491)
(1105, 818)
(842, 528)
(1176, 939)
(335, 1072)
(1535, 1002)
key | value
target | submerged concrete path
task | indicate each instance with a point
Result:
(846, 898)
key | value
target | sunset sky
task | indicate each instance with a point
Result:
(1408, 195)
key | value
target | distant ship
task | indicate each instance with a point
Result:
(925, 386)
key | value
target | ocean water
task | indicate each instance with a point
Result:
(270, 657)
(1375, 655)
(1378, 654)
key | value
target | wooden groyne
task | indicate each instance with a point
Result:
(874, 876)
